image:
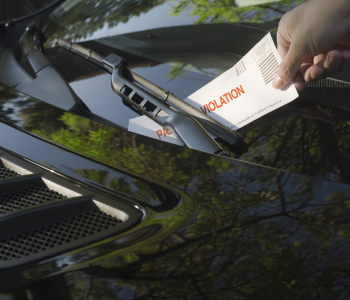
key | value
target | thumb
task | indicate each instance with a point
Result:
(287, 69)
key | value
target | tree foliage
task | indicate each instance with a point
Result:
(83, 18)
(228, 11)
(258, 234)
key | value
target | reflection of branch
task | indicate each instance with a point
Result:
(91, 287)
(284, 142)
(133, 139)
(281, 194)
(121, 272)
(271, 8)
(283, 199)
(329, 144)
(303, 129)
(193, 282)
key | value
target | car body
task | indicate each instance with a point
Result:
(271, 223)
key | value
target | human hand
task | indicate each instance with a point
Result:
(314, 42)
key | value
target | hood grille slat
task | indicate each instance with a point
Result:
(29, 196)
(61, 231)
(43, 215)
(6, 172)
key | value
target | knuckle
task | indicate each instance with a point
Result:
(285, 18)
(284, 70)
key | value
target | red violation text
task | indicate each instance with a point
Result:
(224, 99)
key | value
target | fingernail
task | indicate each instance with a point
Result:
(278, 83)
(334, 58)
(315, 76)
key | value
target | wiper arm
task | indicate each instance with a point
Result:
(182, 125)
(187, 125)
(233, 140)
(35, 57)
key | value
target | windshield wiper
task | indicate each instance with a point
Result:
(188, 125)
(45, 83)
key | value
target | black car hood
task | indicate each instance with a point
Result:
(271, 224)
(241, 230)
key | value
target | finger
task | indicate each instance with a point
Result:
(310, 72)
(305, 65)
(282, 50)
(345, 41)
(288, 68)
(319, 58)
(331, 63)
(299, 82)
(345, 62)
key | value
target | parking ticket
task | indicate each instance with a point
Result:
(243, 93)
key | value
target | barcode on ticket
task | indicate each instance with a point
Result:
(240, 67)
(269, 68)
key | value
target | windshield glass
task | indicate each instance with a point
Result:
(192, 36)
(85, 20)
(179, 45)
(11, 9)
(183, 45)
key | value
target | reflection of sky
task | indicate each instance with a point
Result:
(243, 3)
(15, 106)
(97, 94)
(182, 86)
(155, 18)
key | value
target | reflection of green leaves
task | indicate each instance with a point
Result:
(256, 228)
(227, 11)
(86, 17)
(219, 164)
(302, 146)
(178, 69)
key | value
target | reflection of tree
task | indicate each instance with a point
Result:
(95, 140)
(178, 69)
(20, 8)
(224, 11)
(297, 144)
(7, 110)
(247, 243)
(259, 234)
(228, 11)
(301, 145)
(86, 17)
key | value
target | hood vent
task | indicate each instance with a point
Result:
(43, 215)
(6, 172)
(20, 196)
(54, 231)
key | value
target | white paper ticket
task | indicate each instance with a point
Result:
(145, 126)
(242, 94)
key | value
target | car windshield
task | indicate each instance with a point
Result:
(178, 45)
(183, 45)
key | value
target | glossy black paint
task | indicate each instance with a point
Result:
(299, 137)
(240, 230)
(215, 228)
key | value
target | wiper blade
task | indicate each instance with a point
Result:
(230, 138)
(182, 125)
(188, 125)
